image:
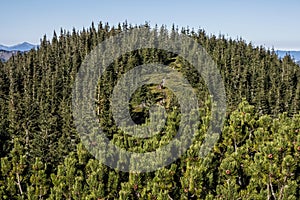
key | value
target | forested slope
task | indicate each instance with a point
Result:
(256, 157)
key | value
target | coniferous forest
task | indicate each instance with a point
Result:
(256, 157)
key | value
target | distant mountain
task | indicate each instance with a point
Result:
(7, 51)
(25, 46)
(4, 48)
(293, 54)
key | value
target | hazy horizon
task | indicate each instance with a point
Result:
(272, 24)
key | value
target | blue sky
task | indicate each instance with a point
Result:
(262, 22)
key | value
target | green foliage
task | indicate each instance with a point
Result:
(256, 157)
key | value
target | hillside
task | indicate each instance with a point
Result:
(5, 55)
(45, 156)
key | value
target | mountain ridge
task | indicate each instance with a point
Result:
(7, 51)
(25, 46)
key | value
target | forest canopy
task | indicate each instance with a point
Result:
(256, 157)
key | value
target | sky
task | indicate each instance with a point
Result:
(271, 23)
